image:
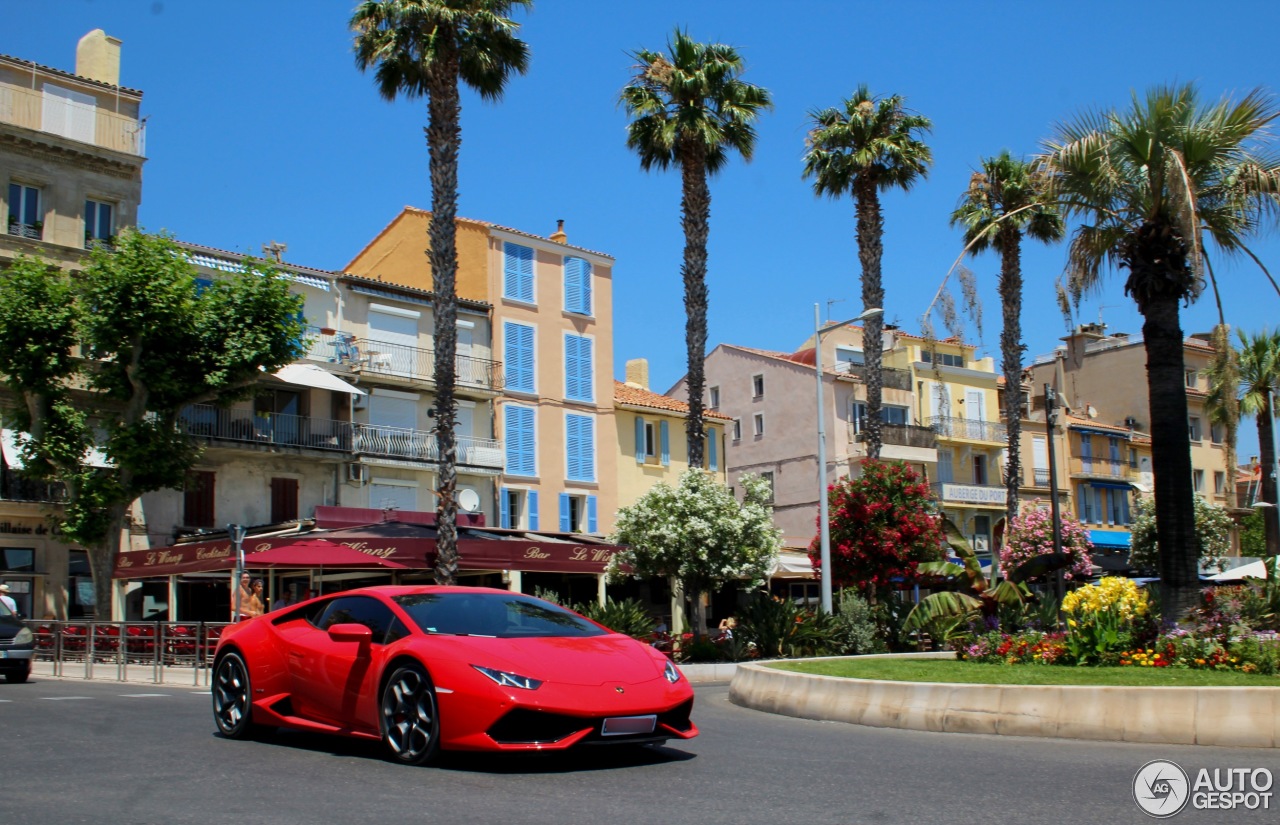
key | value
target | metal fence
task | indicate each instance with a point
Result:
(128, 650)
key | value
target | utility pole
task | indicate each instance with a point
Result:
(1050, 407)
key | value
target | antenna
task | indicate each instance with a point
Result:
(831, 301)
(1102, 307)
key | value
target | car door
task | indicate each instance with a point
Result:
(334, 681)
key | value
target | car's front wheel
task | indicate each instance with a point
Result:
(232, 697)
(20, 675)
(410, 717)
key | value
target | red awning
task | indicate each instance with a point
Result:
(317, 553)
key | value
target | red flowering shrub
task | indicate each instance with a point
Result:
(882, 526)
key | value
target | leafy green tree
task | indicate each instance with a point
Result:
(690, 108)
(1259, 360)
(425, 48)
(1213, 533)
(1006, 201)
(109, 358)
(697, 534)
(1222, 404)
(882, 527)
(1253, 539)
(866, 146)
(1151, 186)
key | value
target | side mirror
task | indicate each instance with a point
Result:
(350, 632)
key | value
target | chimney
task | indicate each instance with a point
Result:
(98, 57)
(638, 373)
(558, 236)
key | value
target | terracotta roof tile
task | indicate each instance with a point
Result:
(636, 397)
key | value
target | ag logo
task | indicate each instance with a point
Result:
(1161, 788)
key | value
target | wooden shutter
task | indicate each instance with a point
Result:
(198, 500)
(578, 368)
(517, 273)
(504, 509)
(532, 496)
(591, 514)
(665, 437)
(284, 500)
(712, 438)
(580, 458)
(577, 286)
(521, 442)
(566, 525)
(518, 349)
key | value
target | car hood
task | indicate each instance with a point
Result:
(592, 660)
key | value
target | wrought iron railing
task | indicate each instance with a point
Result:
(32, 232)
(901, 435)
(1118, 468)
(13, 487)
(421, 445)
(891, 377)
(241, 425)
(418, 364)
(972, 429)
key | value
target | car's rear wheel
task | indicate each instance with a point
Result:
(410, 717)
(232, 697)
(20, 675)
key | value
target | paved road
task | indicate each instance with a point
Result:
(102, 752)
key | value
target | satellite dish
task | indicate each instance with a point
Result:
(469, 500)
(1091, 410)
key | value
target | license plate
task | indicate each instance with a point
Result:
(4, 654)
(625, 725)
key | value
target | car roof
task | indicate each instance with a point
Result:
(392, 590)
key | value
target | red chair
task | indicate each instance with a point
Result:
(75, 638)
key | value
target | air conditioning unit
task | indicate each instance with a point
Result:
(357, 473)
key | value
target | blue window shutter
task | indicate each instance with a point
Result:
(640, 451)
(521, 442)
(533, 509)
(578, 368)
(565, 527)
(504, 509)
(577, 285)
(666, 443)
(711, 450)
(585, 275)
(519, 356)
(588, 449)
(517, 272)
(587, 369)
(1124, 508)
(591, 514)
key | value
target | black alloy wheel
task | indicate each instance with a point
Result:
(410, 720)
(231, 697)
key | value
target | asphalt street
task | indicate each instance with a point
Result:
(104, 752)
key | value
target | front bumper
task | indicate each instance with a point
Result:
(17, 657)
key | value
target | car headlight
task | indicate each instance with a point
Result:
(671, 672)
(24, 637)
(506, 679)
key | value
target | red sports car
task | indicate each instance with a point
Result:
(458, 668)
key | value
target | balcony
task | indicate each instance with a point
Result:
(1039, 477)
(969, 429)
(13, 487)
(894, 379)
(968, 495)
(1101, 468)
(264, 430)
(398, 363)
(32, 232)
(421, 445)
(902, 435)
(85, 122)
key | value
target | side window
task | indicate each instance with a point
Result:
(364, 610)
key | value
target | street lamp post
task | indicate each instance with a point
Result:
(1050, 404)
(1274, 470)
(236, 533)
(824, 527)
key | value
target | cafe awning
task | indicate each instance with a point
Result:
(316, 553)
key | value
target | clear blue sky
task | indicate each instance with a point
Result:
(260, 127)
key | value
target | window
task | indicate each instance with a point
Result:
(1219, 482)
(1133, 457)
(518, 426)
(25, 218)
(737, 429)
(1040, 460)
(1119, 506)
(579, 367)
(758, 418)
(577, 286)
(650, 443)
(757, 386)
(714, 395)
(284, 500)
(849, 355)
(1217, 433)
(979, 469)
(945, 359)
(1191, 379)
(945, 472)
(99, 224)
(18, 559)
(364, 610)
(768, 478)
(580, 447)
(519, 355)
(711, 452)
(197, 509)
(1193, 425)
(653, 442)
(517, 273)
(889, 414)
(518, 509)
(578, 514)
(1086, 506)
(1197, 480)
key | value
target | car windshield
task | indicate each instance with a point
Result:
(493, 614)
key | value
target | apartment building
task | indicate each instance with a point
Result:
(552, 323)
(72, 148)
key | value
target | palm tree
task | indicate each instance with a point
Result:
(1006, 200)
(423, 48)
(690, 108)
(1259, 360)
(867, 146)
(1150, 185)
(1222, 403)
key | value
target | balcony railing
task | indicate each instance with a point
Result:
(1040, 477)
(421, 445)
(33, 232)
(416, 364)
(1101, 467)
(243, 426)
(951, 493)
(86, 123)
(13, 487)
(892, 378)
(972, 429)
(902, 435)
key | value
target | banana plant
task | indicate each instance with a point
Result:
(975, 596)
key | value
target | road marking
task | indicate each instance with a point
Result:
(142, 695)
(63, 698)
(201, 693)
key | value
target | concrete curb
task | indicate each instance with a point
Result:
(721, 672)
(1238, 717)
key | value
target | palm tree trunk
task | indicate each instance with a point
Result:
(1179, 546)
(1011, 363)
(1270, 515)
(870, 228)
(695, 211)
(443, 141)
